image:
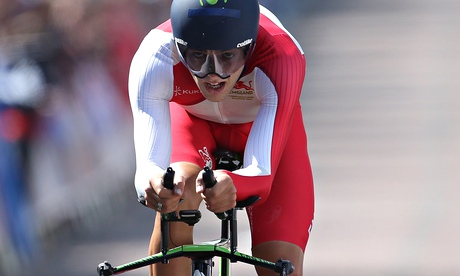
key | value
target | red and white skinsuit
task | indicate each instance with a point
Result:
(260, 119)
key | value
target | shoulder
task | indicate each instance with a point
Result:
(151, 70)
(272, 30)
(158, 43)
(155, 41)
(275, 46)
(156, 53)
(279, 56)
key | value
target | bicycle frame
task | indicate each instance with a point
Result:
(202, 254)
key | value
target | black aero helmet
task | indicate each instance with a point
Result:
(214, 25)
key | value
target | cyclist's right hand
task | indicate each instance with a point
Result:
(222, 196)
(162, 199)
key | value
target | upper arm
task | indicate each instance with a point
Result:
(150, 90)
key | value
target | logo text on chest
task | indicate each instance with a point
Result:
(178, 91)
(242, 91)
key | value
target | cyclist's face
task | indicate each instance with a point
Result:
(216, 89)
(222, 63)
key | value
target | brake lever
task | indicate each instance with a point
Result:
(168, 183)
(209, 182)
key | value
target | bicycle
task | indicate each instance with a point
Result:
(201, 254)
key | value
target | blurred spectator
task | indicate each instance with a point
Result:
(64, 117)
(22, 80)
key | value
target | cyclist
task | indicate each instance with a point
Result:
(223, 74)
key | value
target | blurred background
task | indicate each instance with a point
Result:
(381, 105)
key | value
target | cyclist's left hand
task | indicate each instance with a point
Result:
(222, 196)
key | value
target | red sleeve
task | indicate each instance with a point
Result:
(280, 58)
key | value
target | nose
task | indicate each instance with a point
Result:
(211, 64)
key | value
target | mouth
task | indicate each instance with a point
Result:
(215, 86)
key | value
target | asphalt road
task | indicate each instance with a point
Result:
(382, 108)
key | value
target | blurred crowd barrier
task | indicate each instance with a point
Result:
(65, 122)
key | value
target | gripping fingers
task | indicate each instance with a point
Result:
(221, 197)
(220, 203)
(166, 191)
(166, 201)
